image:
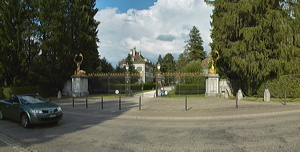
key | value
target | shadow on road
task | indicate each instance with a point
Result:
(75, 119)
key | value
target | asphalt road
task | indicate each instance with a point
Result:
(213, 126)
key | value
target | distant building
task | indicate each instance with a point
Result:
(205, 64)
(141, 64)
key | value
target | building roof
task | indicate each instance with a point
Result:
(205, 62)
(136, 57)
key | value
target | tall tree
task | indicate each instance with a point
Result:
(253, 39)
(105, 66)
(194, 48)
(182, 61)
(168, 63)
(17, 40)
(84, 31)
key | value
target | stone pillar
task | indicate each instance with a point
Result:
(79, 85)
(239, 95)
(212, 85)
(267, 95)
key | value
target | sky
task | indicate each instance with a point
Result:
(154, 27)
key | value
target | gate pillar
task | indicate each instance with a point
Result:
(212, 85)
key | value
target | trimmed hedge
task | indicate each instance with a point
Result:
(189, 89)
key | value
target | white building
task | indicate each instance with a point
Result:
(141, 64)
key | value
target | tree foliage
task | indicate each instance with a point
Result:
(193, 50)
(256, 40)
(194, 47)
(168, 63)
(106, 67)
(39, 38)
(193, 67)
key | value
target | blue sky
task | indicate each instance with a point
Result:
(154, 27)
(124, 5)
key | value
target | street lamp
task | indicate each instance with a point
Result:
(127, 67)
(158, 77)
(127, 81)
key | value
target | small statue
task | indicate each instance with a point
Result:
(78, 63)
(212, 70)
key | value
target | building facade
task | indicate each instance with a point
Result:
(141, 64)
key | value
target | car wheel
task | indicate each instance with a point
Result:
(25, 121)
(1, 115)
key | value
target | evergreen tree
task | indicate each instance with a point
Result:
(17, 41)
(105, 66)
(39, 38)
(168, 64)
(254, 41)
(84, 31)
(194, 48)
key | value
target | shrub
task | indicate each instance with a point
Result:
(287, 83)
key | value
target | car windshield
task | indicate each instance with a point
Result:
(31, 99)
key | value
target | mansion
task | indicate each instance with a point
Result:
(141, 64)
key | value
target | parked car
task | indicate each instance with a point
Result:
(30, 109)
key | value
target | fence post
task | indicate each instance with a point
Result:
(119, 103)
(140, 103)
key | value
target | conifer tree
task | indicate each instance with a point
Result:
(194, 48)
(254, 41)
(168, 64)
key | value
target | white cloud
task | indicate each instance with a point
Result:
(161, 29)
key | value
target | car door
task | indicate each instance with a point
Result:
(4, 105)
(13, 109)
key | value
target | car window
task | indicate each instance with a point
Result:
(27, 99)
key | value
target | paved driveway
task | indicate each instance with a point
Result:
(161, 125)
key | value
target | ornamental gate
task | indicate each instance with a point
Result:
(108, 83)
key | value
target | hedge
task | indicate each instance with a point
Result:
(189, 89)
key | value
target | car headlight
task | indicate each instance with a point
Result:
(59, 108)
(36, 111)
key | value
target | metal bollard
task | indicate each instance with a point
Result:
(73, 102)
(119, 103)
(86, 102)
(236, 103)
(140, 103)
(186, 103)
(101, 102)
